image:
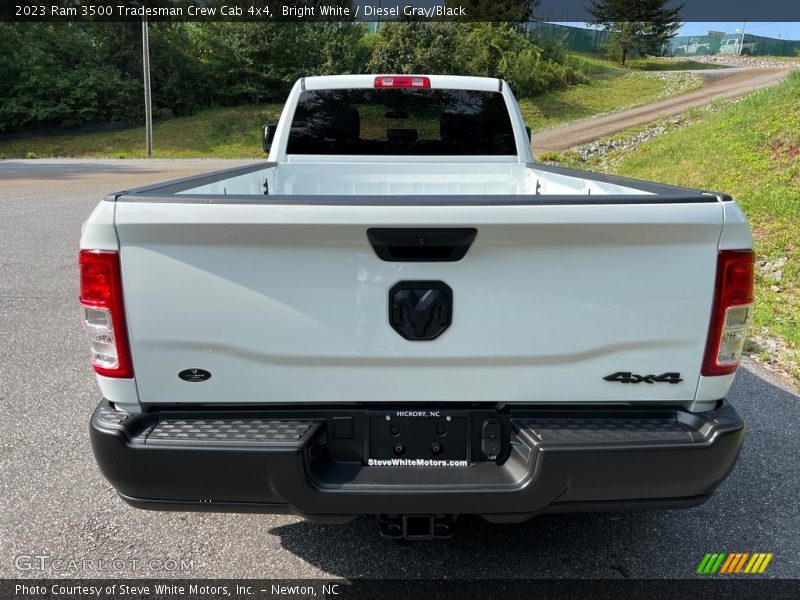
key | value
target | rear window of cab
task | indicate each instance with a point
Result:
(425, 122)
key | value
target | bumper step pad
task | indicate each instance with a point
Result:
(606, 431)
(251, 432)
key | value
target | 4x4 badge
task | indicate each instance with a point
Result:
(628, 377)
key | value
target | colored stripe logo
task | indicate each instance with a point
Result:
(734, 563)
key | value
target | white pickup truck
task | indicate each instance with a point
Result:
(738, 45)
(401, 314)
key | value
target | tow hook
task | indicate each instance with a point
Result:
(416, 527)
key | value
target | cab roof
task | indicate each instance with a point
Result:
(459, 82)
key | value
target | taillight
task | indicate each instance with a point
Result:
(731, 313)
(402, 81)
(103, 314)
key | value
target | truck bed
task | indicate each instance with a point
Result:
(401, 178)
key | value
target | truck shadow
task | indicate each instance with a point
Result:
(750, 511)
(548, 546)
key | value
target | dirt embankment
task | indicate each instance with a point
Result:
(721, 83)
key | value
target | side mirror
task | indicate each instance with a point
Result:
(267, 135)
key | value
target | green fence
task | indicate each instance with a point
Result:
(730, 43)
(576, 39)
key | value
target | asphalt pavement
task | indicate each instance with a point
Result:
(54, 502)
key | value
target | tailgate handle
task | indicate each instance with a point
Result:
(421, 244)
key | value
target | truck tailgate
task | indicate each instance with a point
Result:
(289, 302)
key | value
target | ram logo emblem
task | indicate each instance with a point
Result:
(420, 310)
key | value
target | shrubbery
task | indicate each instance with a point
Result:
(76, 73)
(482, 49)
(61, 74)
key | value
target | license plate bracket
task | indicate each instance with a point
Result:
(418, 434)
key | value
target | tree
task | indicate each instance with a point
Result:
(398, 47)
(61, 74)
(635, 26)
(481, 48)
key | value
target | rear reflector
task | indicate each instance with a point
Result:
(731, 313)
(402, 81)
(103, 313)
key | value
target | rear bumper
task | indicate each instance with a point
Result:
(297, 461)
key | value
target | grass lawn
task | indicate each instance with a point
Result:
(218, 133)
(583, 61)
(787, 58)
(603, 94)
(659, 64)
(234, 132)
(750, 149)
(594, 64)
